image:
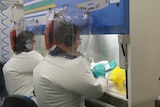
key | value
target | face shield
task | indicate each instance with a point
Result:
(35, 27)
(13, 34)
(28, 40)
(75, 28)
(32, 26)
(84, 21)
(51, 20)
(15, 28)
(49, 29)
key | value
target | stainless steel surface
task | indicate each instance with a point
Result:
(123, 40)
(106, 47)
(117, 102)
(103, 47)
(97, 103)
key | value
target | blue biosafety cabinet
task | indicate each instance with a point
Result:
(108, 16)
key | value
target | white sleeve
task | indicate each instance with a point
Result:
(85, 84)
(76, 76)
(91, 87)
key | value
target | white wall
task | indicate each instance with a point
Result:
(144, 53)
(12, 14)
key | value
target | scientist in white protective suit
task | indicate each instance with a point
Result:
(18, 70)
(64, 77)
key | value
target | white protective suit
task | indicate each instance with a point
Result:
(62, 82)
(18, 73)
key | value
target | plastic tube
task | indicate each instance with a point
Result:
(5, 44)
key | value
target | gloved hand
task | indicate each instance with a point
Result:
(112, 65)
(100, 69)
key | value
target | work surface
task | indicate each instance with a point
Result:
(115, 95)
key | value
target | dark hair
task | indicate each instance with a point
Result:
(21, 41)
(66, 33)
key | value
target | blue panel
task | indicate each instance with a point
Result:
(112, 19)
(26, 1)
(108, 18)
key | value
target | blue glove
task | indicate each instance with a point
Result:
(112, 65)
(99, 70)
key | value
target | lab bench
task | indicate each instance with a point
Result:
(113, 97)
